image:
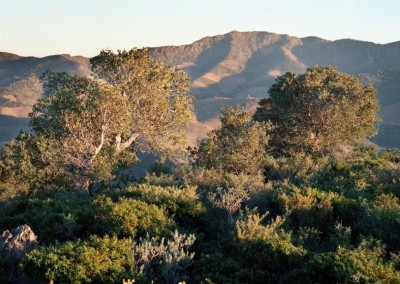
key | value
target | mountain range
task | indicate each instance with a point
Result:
(229, 69)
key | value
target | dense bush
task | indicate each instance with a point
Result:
(182, 203)
(110, 260)
(127, 217)
(382, 224)
(364, 264)
(51, 215)
(98, 260)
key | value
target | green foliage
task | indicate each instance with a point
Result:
(229, 199)
(365, 264)
(298, 168)
(127, 217)
(208, 179)
(382, 221)
(219, 268)
(268, 246)
(52, 216)
(109, 260)
(226, 193)
(135, 103)
(238, 146)
(29, 163)
(392, 155)
(98, 260)
(305, 207)
(82, 115)
(182, 204)
(156, 94)
(318, 111)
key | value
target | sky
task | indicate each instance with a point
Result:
(84, 27)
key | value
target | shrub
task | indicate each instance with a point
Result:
(127, 217)
(383, 224)
(182, 204)
(220, 268)
(269, 245)
(365, 264)
(392, 155)
(98, 260)
(303, 207)
(298, 168)
(52, 215)
(207, 179)
(164, 261)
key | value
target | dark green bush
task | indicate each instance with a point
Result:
(52, 216)
(303, 207)
(365, 264)
(98, 260)
(220, 268)
(127, 217)
(181, 203)
(392, 155)
(268, 246)
(383, 224)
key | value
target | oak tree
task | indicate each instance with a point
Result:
(238, 146)
(132, 103)
(318, 111)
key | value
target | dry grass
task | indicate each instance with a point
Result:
(21, 111)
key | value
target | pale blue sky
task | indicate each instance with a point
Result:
(84, 27)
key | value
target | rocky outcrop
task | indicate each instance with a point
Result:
(14, 245)
(18, 242)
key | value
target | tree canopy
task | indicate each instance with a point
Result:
(238, 146)
(318, 111)
(133, 102)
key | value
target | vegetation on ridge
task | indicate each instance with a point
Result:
(248, 206)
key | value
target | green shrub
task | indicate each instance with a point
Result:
(269, 245)
(383, 224)
(392, 155)
(303, 207)
(127, 217)
(52, 216)
(298, 168)
(347, 211)
(207, 179)
(220, 268)
(98, 260)
(180, 203)
(365, 264)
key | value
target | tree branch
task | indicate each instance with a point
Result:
(89, 161)
(120, 146)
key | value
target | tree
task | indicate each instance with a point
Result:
(29, 163)
(133, 103)
(318, 111)
(238, 146)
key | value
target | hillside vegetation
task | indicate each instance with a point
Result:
(264, 198)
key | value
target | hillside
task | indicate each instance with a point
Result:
(20, 86)
(235, 68)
